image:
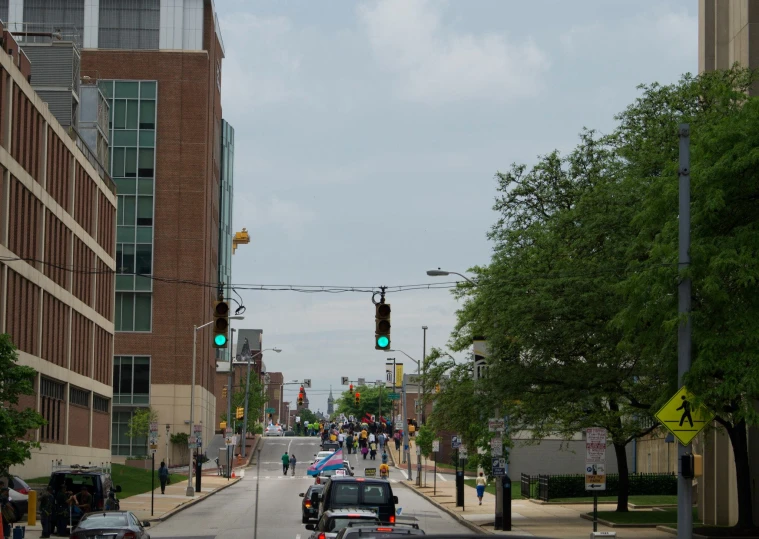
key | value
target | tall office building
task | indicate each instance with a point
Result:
(158, 63)
(57, 247)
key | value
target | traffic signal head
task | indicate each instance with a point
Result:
(382, 326)
(220, 324)
(224, 391)
(351, 387)
(300, 399)
(240, 413)
(358, 399)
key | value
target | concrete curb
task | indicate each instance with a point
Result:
(541, 502)
(610, 524)
(192, 502)
(472, 526)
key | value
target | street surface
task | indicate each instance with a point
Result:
(230, 513)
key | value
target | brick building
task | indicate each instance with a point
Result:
(159, 65)
(57, 211)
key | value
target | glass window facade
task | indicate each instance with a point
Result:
(131, 380)
(129, 24)
(132, 125)
(122, 444)
(68, 15)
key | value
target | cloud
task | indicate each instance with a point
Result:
(436, 64)
(289, 215)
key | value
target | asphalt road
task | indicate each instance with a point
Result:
(231, 513)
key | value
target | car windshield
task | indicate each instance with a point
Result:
(103, 521)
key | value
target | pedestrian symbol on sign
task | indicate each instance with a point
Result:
(685, 407)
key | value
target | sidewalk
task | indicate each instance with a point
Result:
(175, 499)
(527, 517)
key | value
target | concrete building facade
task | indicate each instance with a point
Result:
(158, 64)
(57, 258)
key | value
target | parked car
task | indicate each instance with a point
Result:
(20, 503)
(97, 481)
(113, 525)
(19, 485)
(310, 504)
(331, 522)
(359, 492)
(273, 430)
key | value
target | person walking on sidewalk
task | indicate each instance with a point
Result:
(163, 476)
(293, 462)
(47, 509)
(481, 482)
(285, 463)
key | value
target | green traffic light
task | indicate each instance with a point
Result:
(220, 340)
(383, 341)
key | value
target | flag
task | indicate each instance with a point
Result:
(333, 462)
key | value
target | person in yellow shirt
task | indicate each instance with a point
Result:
(384, 470)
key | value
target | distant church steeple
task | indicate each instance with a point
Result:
(330, 403)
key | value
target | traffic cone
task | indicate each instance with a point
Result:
(233, 476)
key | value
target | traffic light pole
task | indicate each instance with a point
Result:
(191, 491)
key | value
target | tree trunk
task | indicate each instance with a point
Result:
(624, 478)
(739, 439)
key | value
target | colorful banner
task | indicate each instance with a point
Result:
(333, 462)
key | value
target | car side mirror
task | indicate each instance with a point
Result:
(146, 524)
(302, 494)
(395, 499)
(118, 488)
(311, 527)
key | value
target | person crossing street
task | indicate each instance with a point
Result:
(293, 462)
(285, 463)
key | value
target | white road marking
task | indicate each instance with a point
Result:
(440, 476)
(405, 475)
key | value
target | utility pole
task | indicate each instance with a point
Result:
(684, 485)
(405, 429)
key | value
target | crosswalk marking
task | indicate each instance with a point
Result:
(440, 476)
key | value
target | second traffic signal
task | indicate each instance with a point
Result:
(382, 326)
(358, 399)
(240, 412)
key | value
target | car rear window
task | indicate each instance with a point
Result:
(378, 494)
(342, 522)
(346, 493)
(103, 521)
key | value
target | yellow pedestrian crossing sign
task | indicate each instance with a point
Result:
(681, 418)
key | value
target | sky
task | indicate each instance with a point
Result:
(367, 138)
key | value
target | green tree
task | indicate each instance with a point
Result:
(139, 424)
(307, 415)
(370, 402)
(15, 422)
(725, 239)
(256, 400)
(424, 439)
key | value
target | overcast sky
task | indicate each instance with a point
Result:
(367, 135)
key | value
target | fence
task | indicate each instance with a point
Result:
(548, 487)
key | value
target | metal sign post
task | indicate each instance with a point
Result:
(153, 446)
(595, 466)
(435, 449)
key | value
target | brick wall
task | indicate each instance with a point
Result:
(79, 426)
(24, 233)
(101, 430)
(55, 329)
(21, 312)
(81, 344)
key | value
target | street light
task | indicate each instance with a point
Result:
(442, 273)
(247, 389)
(195, 329)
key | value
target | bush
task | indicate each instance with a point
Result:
(573, 486)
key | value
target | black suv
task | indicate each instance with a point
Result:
(97, 480)
(310, 505)
(331, 522)
(361, 492)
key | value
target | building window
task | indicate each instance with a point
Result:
(129, 24)
(52, 411)
(100, 404)
(44, 15)
(133, 311)
(79, 397)
(122, 444)
(131, 380)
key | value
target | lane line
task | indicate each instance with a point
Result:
(405, 475)
(440, 476)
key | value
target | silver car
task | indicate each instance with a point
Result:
(274, 430)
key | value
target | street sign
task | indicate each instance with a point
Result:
(496, 447)
(496, 424)
(362, 381)
(370, 472)
(681, 418)
(192, 442)
(595, 476)
(435, 446)
(270, 410)
(228, 436)
(307, 383)
(393, 396)
(344, 380)
(455, 442)
(153, 437)
(297, 419)
(595, 458)
(499, 467)
(462, 452)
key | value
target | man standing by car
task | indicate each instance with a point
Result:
(285, 463)
(47, 511)
(62, 510)
(85, 500)
(5, 508)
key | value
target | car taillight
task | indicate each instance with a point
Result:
(130, 535)
(322, 536)
(392, 519)
(308, 505)
(384, 529)
(23, 491)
